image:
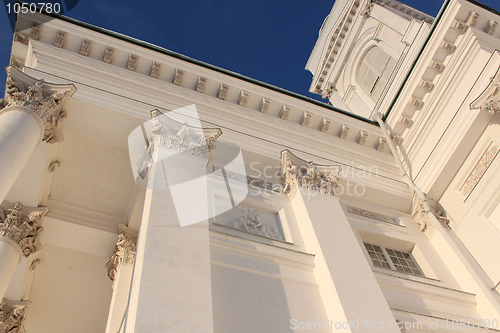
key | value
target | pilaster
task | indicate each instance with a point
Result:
(349, 290)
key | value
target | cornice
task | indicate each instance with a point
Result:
(193, 79)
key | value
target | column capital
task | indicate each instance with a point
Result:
(12, 315)
(308, 175)
(44, 99)
(489, 99)
(125, 249)
(170, 134)
(22, 225)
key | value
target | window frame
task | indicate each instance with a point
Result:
(389, 261)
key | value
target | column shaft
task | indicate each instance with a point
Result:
(171, 286)
(20, 132)
(10, 254)
(349, 290)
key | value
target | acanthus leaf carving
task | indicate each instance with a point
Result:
(172, 135)
(22, 225)
(44, 99)
(12, 315)
(489, 99)
(125, 249)
(308, 175)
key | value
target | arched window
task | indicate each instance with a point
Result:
(374, 71)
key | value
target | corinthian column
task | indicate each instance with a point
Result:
(19, 229)
(29, 113)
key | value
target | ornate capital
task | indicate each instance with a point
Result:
(22, 225)
(172, 135)
(489, 100)
(125, 248)
(423, 219)
(12, 315)
(44, 99)
(308, 175)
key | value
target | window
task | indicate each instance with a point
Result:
(374, 71)
(393, 259)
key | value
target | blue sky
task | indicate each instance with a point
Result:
(269, 40)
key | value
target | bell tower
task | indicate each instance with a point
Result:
(363, 52)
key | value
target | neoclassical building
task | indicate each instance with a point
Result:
(145, 191)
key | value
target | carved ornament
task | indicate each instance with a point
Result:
(44, 99)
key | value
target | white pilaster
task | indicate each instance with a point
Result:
(120, 269)
(349, 290)
(171, 287)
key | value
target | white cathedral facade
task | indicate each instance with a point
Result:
(379, 212)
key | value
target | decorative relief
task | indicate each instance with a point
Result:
(491, 27)
(36, 32)
(324, 125)
(222, 94)
(306, 118)
(201, 84)
(489, 99)
(380, 144)
(12, 315)
(23, 39)
(460, 26)
(372, 215)
(361, 138)
(449, 47)
(480, 169)
(426, 84)
(108, 54)
(42, 98)
(60, 39)
(397, 139)
(264, 104)
(125, 249)
(285, 111)
(308, 175)
(178, 77)
(417, 102)
(155, 70)
(251, 222)
(343, 131)
(21, 224)
(133, 61)
(243, 98)
(438, 66)
(86, 47)
(472, 19)
(17, 62)
(406, 121)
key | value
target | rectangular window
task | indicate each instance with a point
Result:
(393, 259)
